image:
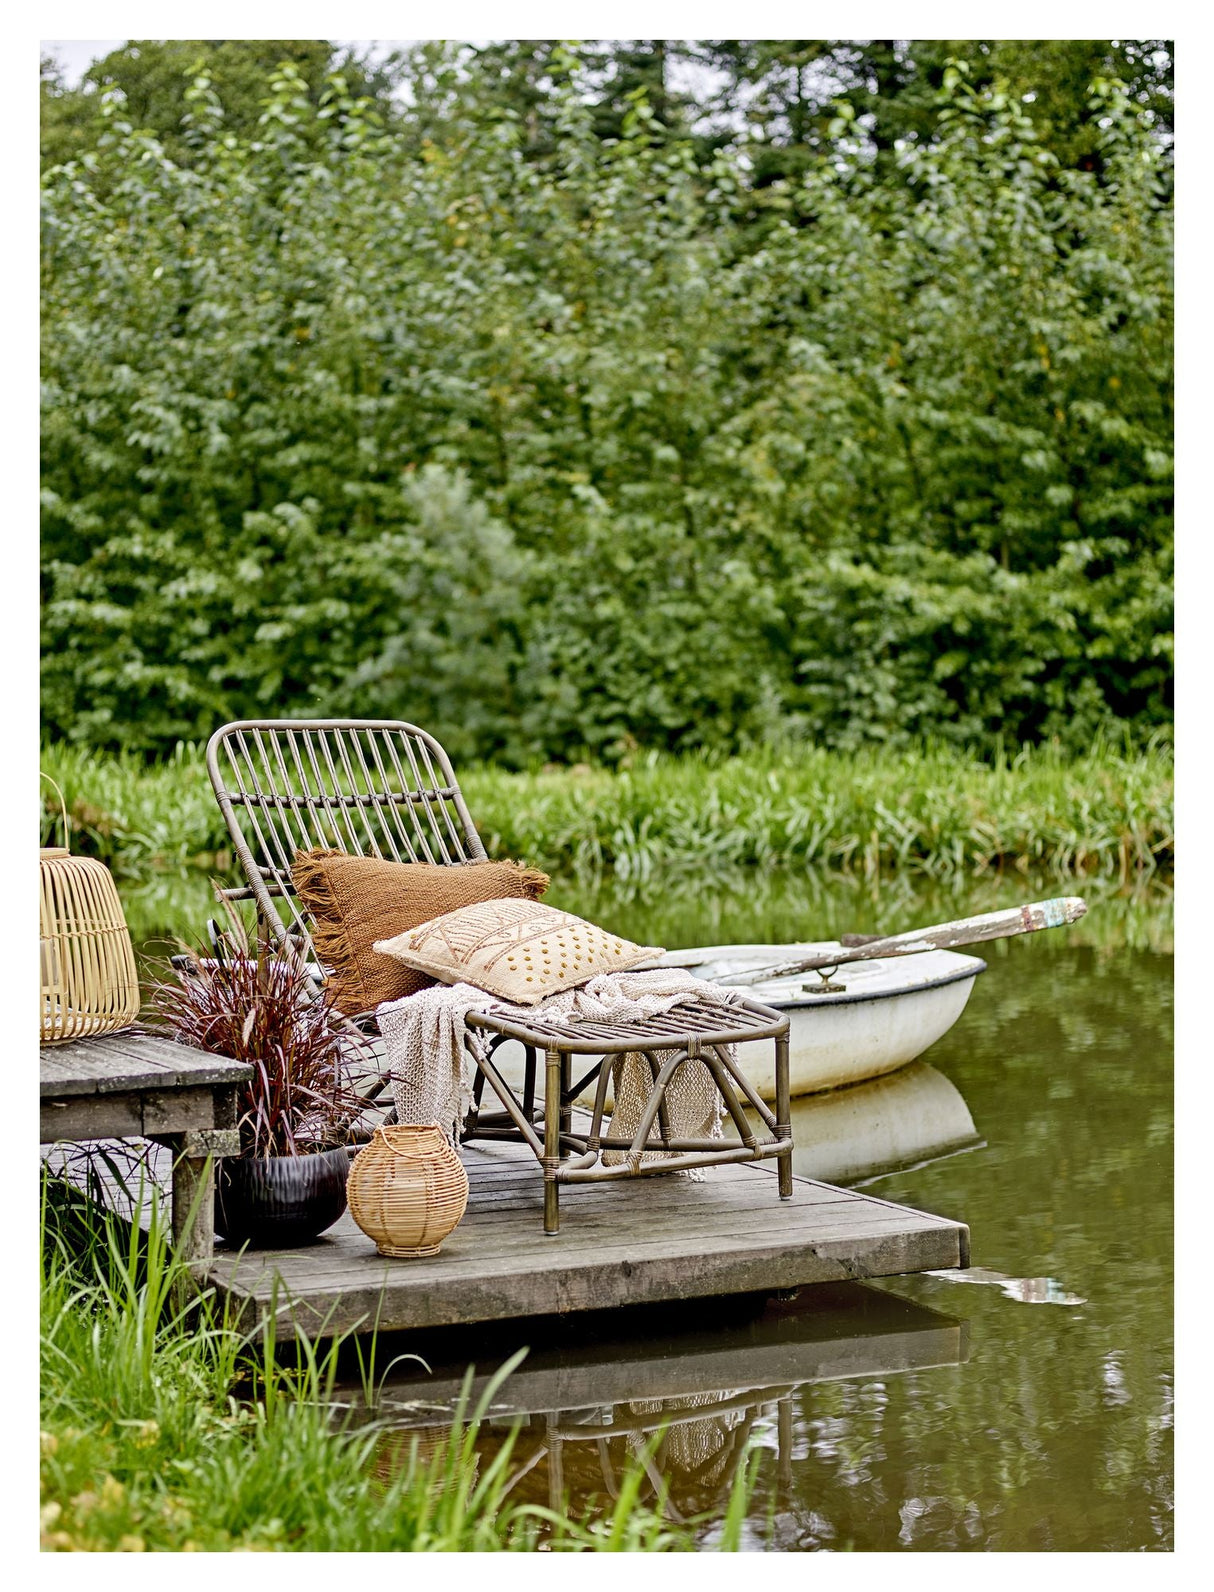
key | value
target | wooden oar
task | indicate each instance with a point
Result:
(941, 937)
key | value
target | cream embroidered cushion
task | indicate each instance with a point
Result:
(520, 950)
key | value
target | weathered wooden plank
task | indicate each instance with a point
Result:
(505, 1258)
(140, 1076)
(505, 1234)
(592, 1198)
(84, 1117)
(177, 1111)
(479, 1298)
(132, 1114)
(348, 1257)
(117, 1062)
(618, 1246)
(108, 1052)
(52, 1069)
(133, 1042)
(582, 1200)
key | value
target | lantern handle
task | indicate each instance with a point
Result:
(62, 804)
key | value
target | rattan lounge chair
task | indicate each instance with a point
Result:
(382, 788)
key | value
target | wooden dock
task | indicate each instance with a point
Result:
(623, 1243)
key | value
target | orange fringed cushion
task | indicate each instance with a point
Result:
(354, 901)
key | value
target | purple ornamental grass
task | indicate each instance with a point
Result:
(266, 1012)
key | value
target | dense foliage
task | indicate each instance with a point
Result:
(562, 422)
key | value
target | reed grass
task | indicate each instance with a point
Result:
(163, 1428)
(935, 812)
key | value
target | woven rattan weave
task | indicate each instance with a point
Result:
(407, 1189)
(385, 788)
(89, 980)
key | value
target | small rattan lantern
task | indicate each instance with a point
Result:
(407, 1189)
(89, 981)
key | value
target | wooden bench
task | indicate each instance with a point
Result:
(136, 1084)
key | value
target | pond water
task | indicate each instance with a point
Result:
(1023, 1405)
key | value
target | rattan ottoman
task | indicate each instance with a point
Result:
(697, 1030)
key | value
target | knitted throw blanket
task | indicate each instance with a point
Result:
(432, 1070)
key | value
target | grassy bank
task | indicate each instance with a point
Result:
(146, 1445)
(933, 812)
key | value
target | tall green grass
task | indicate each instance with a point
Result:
(146, 1445)
(933, 812)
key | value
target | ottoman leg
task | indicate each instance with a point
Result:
(566, 1085)
(552, 1139)
(784, 1117)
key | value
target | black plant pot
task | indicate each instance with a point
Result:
(286, 1200)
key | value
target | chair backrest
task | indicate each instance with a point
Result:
(370, 787)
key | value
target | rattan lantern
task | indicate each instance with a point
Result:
(408, 1189)
(89, 981)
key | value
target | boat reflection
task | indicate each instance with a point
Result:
(863, 1130)
(659, 1388)
(883, 1125)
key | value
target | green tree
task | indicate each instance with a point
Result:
(781, 97)
(150, 78)
(546, 444)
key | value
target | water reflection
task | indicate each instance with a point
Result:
(1024, 1290)
(688, 1401)
(884, 1125)
(595, 1395)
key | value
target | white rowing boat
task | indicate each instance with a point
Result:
(875, 1017)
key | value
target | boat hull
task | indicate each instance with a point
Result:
(830, 1046)
(879, 1016)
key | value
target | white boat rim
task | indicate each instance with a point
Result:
(959, 967)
